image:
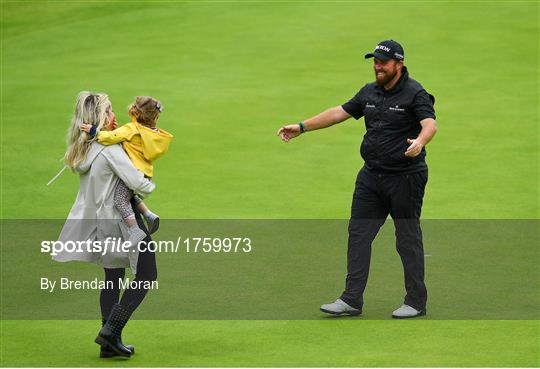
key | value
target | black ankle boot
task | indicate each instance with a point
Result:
(110, 333)
(107, 352)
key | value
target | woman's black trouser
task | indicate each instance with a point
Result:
(376, 196)
(146, 271)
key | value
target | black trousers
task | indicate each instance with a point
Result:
(146, 271)
(375, 197)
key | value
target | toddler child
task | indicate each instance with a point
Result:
(143, 143)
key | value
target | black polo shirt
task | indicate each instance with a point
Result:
(391, 118)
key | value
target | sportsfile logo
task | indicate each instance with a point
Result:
(383, 48)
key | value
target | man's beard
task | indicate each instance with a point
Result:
(385, 78)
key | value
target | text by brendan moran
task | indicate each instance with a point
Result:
(63, 283)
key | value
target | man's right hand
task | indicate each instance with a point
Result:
(288, 132)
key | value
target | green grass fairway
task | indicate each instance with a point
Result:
(343, 343)
(229, 74)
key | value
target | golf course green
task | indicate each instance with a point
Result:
(229, 74)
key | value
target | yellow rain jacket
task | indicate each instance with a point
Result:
(142, 144)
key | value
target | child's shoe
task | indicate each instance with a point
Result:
(133, 234)
(152, 221)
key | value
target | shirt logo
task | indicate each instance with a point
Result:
(368, 105)
(396, 108)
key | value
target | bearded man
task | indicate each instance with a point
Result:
(400, 121)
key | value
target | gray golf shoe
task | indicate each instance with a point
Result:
(406, 311)
(340, 308)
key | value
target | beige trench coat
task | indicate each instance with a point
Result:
(93, 216)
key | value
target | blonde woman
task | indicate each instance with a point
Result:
(144, 143)
(94, 217)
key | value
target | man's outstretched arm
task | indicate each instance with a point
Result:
(325, 119)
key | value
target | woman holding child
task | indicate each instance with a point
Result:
(112, 181)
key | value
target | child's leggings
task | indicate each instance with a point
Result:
(122, 198)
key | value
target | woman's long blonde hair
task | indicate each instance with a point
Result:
(90, 108)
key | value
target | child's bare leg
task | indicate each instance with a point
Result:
(141, 206)
(130, 221)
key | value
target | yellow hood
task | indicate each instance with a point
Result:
(155, 143)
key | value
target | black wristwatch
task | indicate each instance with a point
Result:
(302, 127)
